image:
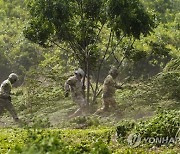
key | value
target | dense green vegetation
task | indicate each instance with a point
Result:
(97, 140)
(45, 41)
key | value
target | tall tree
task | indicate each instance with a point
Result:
(88, 28)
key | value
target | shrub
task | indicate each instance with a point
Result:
(53, 141)
(168, 84)
(163, 124)
(124, 127)
(83, 122)
(173, 65)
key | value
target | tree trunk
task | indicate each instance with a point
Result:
(88, 79)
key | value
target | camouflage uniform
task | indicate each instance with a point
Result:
(109, 89)
(75, 86)
(5, 99)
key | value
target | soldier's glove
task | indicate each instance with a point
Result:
(66, 94)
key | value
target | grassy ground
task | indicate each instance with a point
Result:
(58, 113)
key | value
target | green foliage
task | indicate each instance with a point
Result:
(79, 24)
(124, 127)
(49, 18)
(16, 53)
(57, 141)
(164, 86)
(11, 139)
(163, 124)
(169, 84)
(165, 10)
(40, 92)
(60, 17)
(42, 142)
(84, 122)
(150, 55)
(173, 65)
(130, 17)
(38, 32)
(38, 123)
(30, 141)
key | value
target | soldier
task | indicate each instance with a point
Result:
(5, 98)
(75, 86)
(109, 88)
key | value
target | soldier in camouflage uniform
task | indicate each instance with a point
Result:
(75, 86)
(5, 98)
(109, 88)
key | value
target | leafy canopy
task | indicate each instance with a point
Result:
(80, 20)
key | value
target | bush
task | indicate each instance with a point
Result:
(124, 127)
(173, 65)
(83, 122)
(53, 141)
(168, 84)
(163, 124)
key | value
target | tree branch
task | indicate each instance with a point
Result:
(101, 62)
(114, 49)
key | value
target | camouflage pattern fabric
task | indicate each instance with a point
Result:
(75, 87)
(5, 99)
(5, 89)
(109, 102)
(109, 87)
(6, 104)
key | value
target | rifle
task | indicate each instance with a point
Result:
(126, 79)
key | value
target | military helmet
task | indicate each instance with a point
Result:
(13, 76)
(80, 71)
(113, 71)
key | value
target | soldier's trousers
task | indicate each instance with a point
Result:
(5, 104)
(81, 102)
(109, 102)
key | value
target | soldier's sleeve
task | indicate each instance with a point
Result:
(68, 83)
(5, 84)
